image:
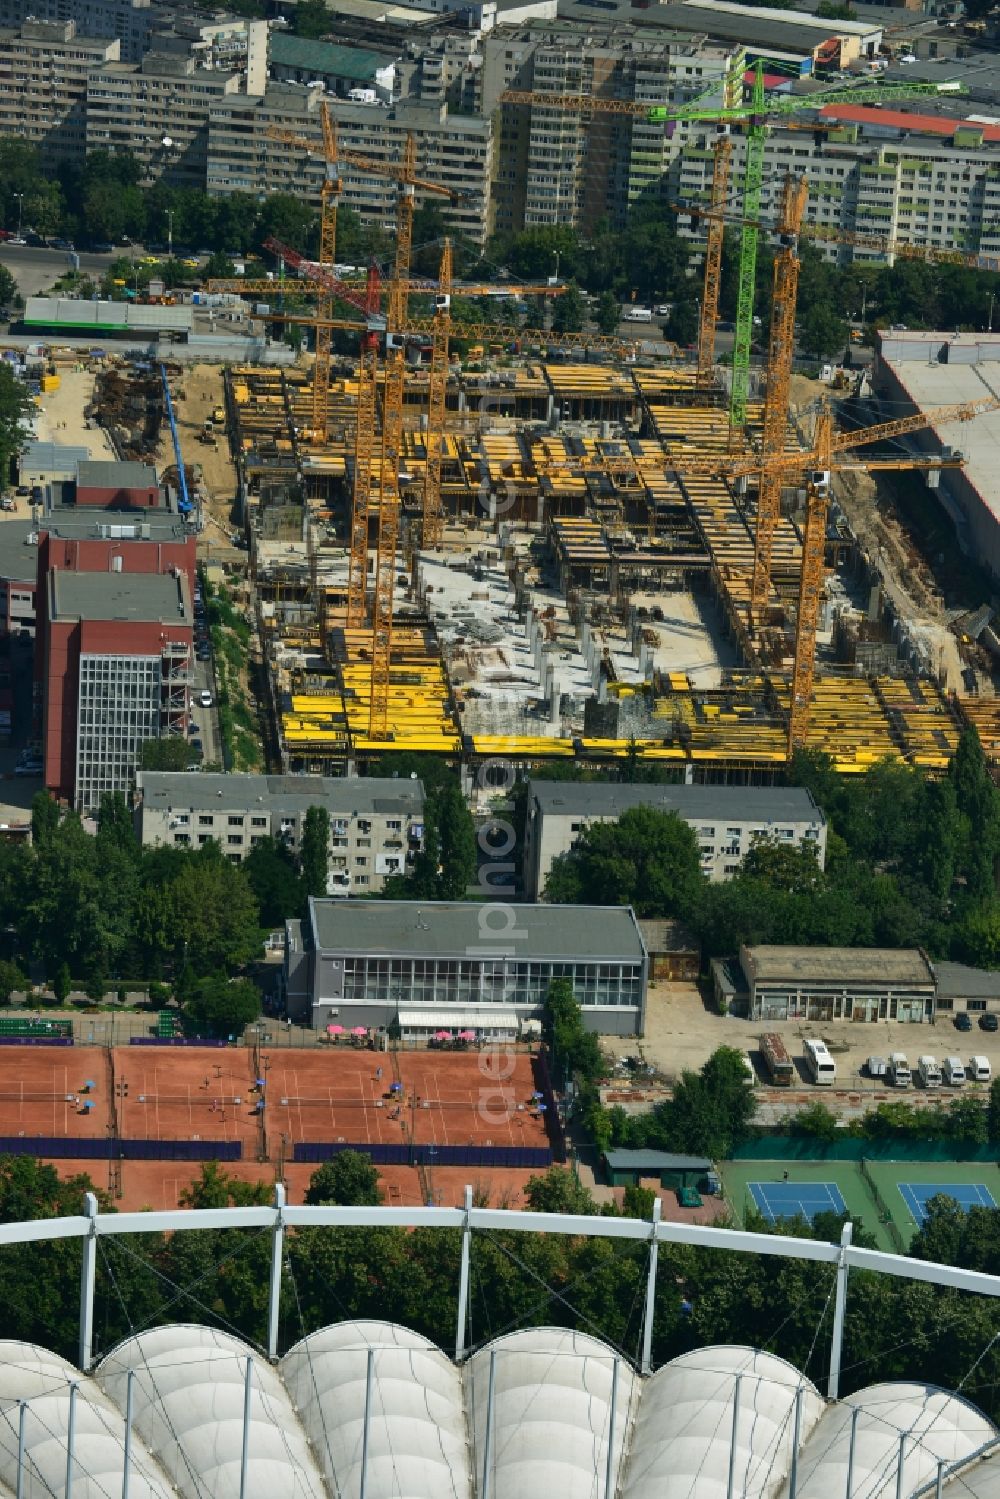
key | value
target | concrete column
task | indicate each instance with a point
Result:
(839, 1308)
(277, 1250)
(463, 1281)
(88, 1267)
(647, 1321)
(555, 703)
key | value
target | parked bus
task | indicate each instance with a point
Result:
(819, 1064)
(777, 1061)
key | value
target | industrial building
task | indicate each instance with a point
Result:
(376, 824)
(454, 965)
(827, 983)
(961, 988)
(726, 820)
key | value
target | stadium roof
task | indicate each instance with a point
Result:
(371, 1407)
(442, 928)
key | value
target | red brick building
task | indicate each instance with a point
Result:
(115, 659)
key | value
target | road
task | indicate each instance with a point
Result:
(36, 271)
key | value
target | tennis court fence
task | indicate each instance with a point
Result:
(883, 1209)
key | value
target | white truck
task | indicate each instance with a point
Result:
(954, 1072)
(928, 1072)
(899, 1070)
(978, 1070)
(632, 314)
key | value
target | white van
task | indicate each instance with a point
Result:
(928, 1072)
(205, 699)
(751, 1070)
(954, 1072)
(899, 1070)
(978, 1070)
(637, 314)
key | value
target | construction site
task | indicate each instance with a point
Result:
(551, 545)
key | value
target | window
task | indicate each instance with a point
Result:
(258, 822)
(204, 838)
(206, 821)
(182, 837)
(361, 862)
(236, 822)
(975, 1004)
(235, 839)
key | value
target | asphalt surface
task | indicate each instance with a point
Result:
(35, 271)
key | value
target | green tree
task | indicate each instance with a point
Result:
(62, 984)
(558, 1191)
(9, 294)
(11, 980)
(312, 19)
(967, 1121)
(457, 843)
(569, 311)
(274, 880)
(823, 330)
(607, 313)
(637, 1202)
(221, 1006)
(15, 413)
(647, 859)
(993, 1111)
(682, 324)
(44, 817)
(816, 1120)
(170, 753)
(314, 856)
(213, 1187)
(213, 913)
(348, 1180)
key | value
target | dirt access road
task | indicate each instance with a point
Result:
(197, 392)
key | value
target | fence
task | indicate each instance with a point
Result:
(58, 1147)
(511, 1157)
(175, 1041)
(805, 1148)
(883, 1209)
(36, 1040)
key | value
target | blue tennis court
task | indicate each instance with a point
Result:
(776, 1200)
(917, 1195)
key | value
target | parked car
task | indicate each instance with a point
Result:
(963, 1021)
(989, 1021)
(205, 699)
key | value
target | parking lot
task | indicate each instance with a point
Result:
(682, 1031)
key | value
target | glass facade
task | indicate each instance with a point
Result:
(487, 981)
(119, 707)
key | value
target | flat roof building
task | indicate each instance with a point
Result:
(467, 965)
(376, 823)
(827, 983)
(128, 20)
(725, 819)
(45, 68)
(114, 664)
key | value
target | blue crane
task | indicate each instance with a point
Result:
(184, 504)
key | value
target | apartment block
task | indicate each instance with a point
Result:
(227, 44)
(45, 68)
(376, 824)
(159, 110)
(129, 20)
(453, 150)
(884, 174)
(558, 166)
(726, 820)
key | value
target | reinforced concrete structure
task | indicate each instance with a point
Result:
(45, 69)
(447, 964)
(376, 823)
(726, 820)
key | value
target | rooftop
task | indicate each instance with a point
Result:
(781, 30)
(321, 58)
(103, 473)
(83, 522)
(838, 965)
(748, 803)
(958, 981)
(655, 1160)
(460, 929)
(164, 790)
(137, 597)
(51, 458)
(902, 119)
(18, 558)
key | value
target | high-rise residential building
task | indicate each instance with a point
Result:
(453, 150)
(44, 72)
(881, 174)
(159, 110)
(128, 20)
(228, 44)
(560, 166)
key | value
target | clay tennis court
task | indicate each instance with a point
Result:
(62, 1092)
(187, 1093)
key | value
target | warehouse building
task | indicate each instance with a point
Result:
(974, 990)
(827, 983)
(457, 965)
(726, 820)
(376, 824)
